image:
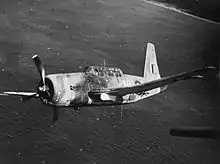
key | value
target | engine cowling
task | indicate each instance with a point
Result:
(66, 89)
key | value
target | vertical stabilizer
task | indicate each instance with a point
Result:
(151, 70)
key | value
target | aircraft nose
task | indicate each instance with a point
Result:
(46, 92)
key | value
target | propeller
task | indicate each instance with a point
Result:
(43, 90)
(55, 114)
(121, 112)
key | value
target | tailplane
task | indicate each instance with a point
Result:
(151, 70)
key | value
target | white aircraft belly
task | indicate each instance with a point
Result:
(136, 97)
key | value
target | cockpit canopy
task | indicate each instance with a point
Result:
(104, 71)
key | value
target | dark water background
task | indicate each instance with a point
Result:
(71, 34)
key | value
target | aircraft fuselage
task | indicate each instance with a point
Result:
(71, 89)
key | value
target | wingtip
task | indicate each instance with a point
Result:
(211, 67)
(215, 69)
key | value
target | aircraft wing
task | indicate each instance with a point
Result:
(153, 84)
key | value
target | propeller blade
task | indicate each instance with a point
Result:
(24, 95)
(26, 98)
(40, 67)
(55, 114)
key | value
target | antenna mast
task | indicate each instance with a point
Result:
(104, 63)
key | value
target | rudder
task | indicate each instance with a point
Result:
(151, 70)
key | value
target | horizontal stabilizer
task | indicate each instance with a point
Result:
(24, 95)
(18, 93)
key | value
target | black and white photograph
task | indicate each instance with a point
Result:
(109, 82)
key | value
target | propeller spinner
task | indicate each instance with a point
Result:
(43, 88)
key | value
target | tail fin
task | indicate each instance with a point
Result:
(151, 70)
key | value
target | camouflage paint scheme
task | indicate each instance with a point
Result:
(72, 88)
(98, 85)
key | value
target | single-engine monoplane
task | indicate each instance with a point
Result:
(101, 85)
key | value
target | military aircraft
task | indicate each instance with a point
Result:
(101, 85)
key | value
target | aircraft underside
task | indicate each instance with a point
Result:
(108, 100)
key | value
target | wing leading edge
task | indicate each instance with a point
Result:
(154, 84)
